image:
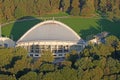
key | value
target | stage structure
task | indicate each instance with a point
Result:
(51, 35)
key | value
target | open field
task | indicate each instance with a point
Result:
(85, 27)
(91, 26)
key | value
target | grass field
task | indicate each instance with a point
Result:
(85, 27)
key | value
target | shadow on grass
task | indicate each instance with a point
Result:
(89, 33)
(22, 25)
(110, 26)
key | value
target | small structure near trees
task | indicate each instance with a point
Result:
(99, 38)
(5, 41)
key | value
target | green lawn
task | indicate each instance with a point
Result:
(91, 26)
(17, 29)
(83, 26)
(60, 14)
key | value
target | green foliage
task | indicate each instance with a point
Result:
(68, 73)
(93, 63)
(111, 39)
(47, 56)
(11, 9)
(6, 77)
(78, 24)
(113, 66)
(88, 8)
(6, 56)
(53, 76)
(36, 64)
(66, 63)
(29, 76)
(100, 63)
(20, 65)
(75, 8)
(75, 11)
(46, 67)
(84, 63)
(95, 71)
(103, 50)
(72, 56)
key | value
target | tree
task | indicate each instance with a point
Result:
(20, 65)
(75, 8)
(66, 5)
(72, 56)
(95, 71)
(66, 63)
(103, 6)
(62, 4)
(29, 76)
(36, 64)
(21, 11)
(80, 72)
(115, 45)
(103, 50)
(112, 66)
(101, 63)
(116, 8)
(69, 73)
(43, 7)
(6, 77)
(40, 76)
(6, 56)
(19, 60)
(9, 9)
(2, 18)
(84, 63)
(47, 67)
(87, 7)
(55, 5)
(111, 39)
(47, 56)
(53, 76)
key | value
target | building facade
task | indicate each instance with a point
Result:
(53, 36)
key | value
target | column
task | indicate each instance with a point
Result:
(63, 49)
(57, 48)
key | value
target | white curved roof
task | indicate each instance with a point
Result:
(49, 31)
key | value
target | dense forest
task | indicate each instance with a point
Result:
(14, 9)
(95, 62)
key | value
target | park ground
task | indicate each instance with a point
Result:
(85, 27)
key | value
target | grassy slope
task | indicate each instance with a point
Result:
(80, 24)
(17, 29)
(85, 27)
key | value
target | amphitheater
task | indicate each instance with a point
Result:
(51, 35)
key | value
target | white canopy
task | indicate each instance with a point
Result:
(50, 30)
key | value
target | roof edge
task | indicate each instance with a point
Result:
(49, 21)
